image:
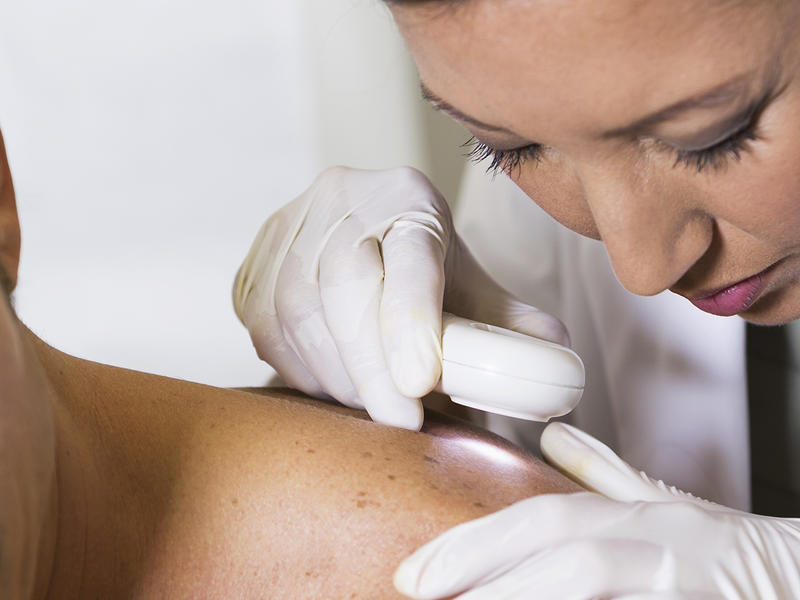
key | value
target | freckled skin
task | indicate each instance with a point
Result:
(202, 492)
(562, 73)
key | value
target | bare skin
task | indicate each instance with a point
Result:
(164, 488)
(582, 78)
(119, 484)
(200, 491)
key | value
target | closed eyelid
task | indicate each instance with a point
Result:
(732, 126)
(720, 130)
(727, 93)
(764, 83)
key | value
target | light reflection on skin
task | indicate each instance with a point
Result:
(494, 454)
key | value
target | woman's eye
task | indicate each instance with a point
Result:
(732, 147)
(718, 155)
(715, 157)
(502, 160)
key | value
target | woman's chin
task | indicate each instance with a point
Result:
(777, 307)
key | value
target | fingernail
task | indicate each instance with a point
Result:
(561, 446)
(570, 447)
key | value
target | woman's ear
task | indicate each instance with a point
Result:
(9, 221)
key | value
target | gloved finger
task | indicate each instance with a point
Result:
(351, 285)
(306, 330)
(579, 570)
(473, 294)
(411, 306)
(254, 303)
(482, 549)
(255, 284)
(273, 347)
(595, 466)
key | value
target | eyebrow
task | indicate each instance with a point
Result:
(444, 106)
(719, 95)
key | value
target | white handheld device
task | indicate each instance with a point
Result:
(501, 371)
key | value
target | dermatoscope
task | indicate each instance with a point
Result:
(508, 373)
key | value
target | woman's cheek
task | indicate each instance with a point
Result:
(760, 194)
(782, 185)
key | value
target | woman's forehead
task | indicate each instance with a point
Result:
(581, 58)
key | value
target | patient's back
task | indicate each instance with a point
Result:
(284, 499)
(235, 494)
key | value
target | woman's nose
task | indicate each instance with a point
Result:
(654, 232)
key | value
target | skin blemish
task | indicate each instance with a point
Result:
(235, 501)
(366, 455)
(478, 505)
(362, 494)
(430, 459)
(311, 451)
(392, 477)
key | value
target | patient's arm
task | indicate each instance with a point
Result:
(219, 493)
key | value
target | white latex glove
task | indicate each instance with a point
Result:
(343, 291)
(639, 539)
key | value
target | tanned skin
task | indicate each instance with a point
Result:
(120, 484)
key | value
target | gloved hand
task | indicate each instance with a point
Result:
(640, 539)
(343, 291)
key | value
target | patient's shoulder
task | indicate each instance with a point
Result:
(294, 498)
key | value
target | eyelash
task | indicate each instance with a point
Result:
(502, 160)
(716, 156)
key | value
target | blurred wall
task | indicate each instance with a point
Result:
(149, 140)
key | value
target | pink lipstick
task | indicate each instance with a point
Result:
(733, 299)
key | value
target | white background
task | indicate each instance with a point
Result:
(148, 141)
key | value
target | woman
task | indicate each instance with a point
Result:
(663, 129)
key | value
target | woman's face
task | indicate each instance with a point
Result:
(670, 130)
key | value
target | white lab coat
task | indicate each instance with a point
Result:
(665, 382)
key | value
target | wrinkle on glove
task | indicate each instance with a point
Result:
(343, 291)
(632, 537)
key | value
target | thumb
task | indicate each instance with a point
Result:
(596, 467)
(470, 292)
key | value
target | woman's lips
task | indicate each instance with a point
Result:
(733, 299)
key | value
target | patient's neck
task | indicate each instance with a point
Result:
(84, 553)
